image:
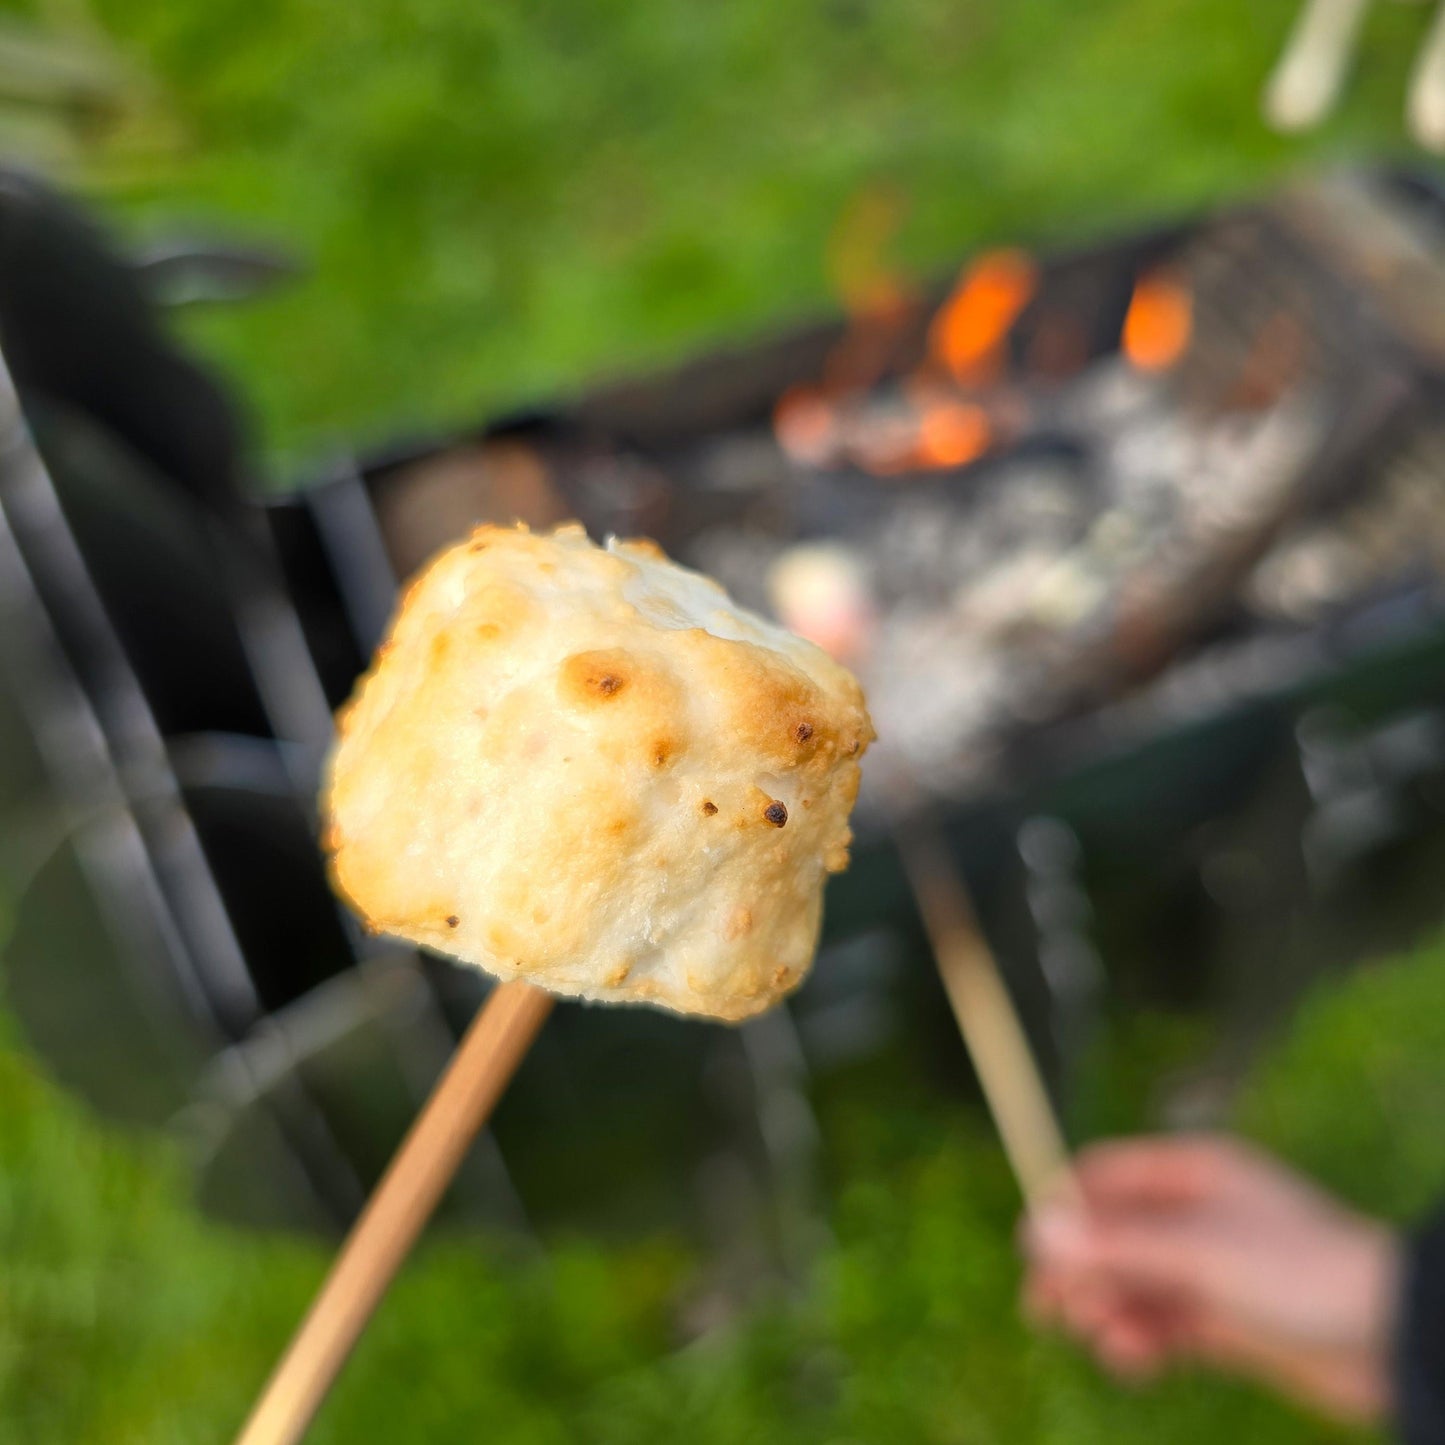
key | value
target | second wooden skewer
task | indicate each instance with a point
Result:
(1007, 1071)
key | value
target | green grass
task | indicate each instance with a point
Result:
(125, 1317)
(499, 200)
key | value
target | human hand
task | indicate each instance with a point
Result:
(1201, 1247)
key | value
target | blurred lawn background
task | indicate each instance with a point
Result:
(498, 201)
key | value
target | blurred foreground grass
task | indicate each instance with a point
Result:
(126, 1318)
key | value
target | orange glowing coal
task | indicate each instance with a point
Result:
(972, 324)
(952, 434)
(805, 422)
(931, 434)
(865, 409)
(1158, 323)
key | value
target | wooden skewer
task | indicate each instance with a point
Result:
(1007, 1071)
(414, 1182)
(1306, 83)
(1425, 106)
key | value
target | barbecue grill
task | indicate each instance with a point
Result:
(1153, 538)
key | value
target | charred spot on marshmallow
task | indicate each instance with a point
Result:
(776, 813)
(592, 678)
(452, 920)
(604, 684)
(803, 731)
(709, 807)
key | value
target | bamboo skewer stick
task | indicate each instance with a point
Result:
(1425, 105)
(1007, 1071)
(1306, 83)
(413, 1184)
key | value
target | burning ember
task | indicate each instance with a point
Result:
(962, 400)
(952, 434)
(971, 327)
(929, 419)
(805, 423)
(1158, 323)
